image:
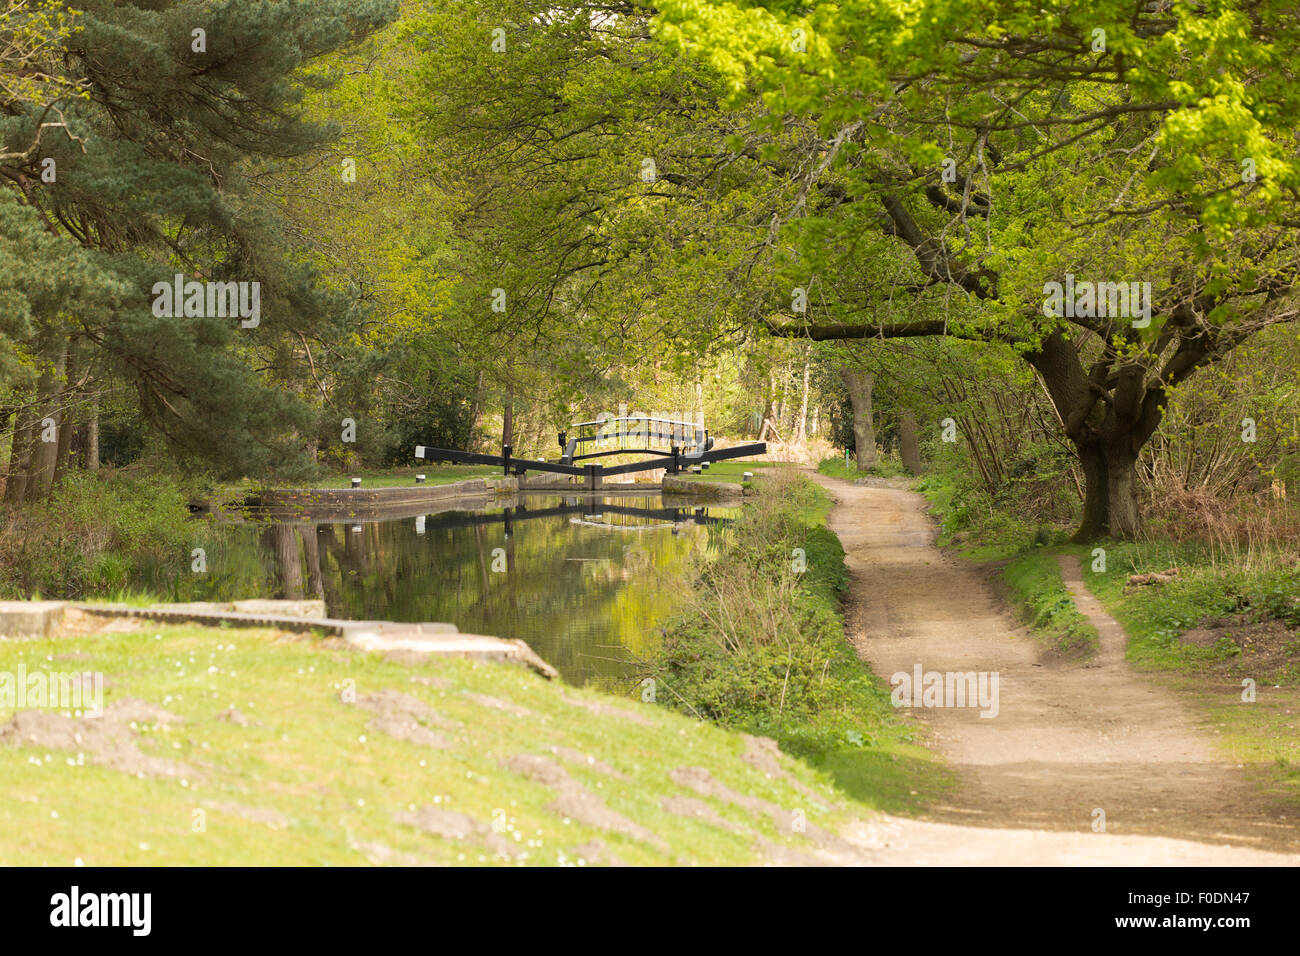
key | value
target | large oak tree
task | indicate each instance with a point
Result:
(973, 153)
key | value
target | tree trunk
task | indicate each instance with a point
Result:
(1096, 509)
(508, 419)
(769, 413)
(44, 455)
(5, 415)
(67, 418)
(288, 561)
(20, 455)
(859, 384)
(476, 413)
(92, 436)
(1110, 506)
(909, 447)
(801, 429)
(311, 551)
(1107, 435)
(780, 406)
(62, 447)
(1121, 494)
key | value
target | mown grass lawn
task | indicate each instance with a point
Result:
(271, 764)
(733, 471)
(400, 477)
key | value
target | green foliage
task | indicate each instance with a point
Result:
(157, 167)
(97, 537)
(440, 420)
(1156, 616)
(1037, 589)
(970, 518)
(887, 466)
(1013, 146)
(800, 682)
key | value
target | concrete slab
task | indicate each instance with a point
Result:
(30, 618)
(27, 619)
(412, 638)
(289, 608)
(709, 490)
(312, 609)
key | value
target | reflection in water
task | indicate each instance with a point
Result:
(583, 580)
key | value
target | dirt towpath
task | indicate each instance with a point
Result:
(1068, 740)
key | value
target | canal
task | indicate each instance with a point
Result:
(584, 580)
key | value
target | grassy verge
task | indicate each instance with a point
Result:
(401, 477)
(887, 466)
(246, 747)
(1225, 599)
(1037, 591)
(761, 647)
(975, 526)
(733, 471)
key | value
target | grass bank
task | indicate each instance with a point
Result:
(732, 471)
(761, 648)
(1035, 588)
(978, 526)
(249, 747)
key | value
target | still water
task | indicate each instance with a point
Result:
(583, 580)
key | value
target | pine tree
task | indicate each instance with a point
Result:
(174, 114)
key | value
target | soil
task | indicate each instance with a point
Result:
(1269, 649)
(109, 740)
(452, 825)
(764, 754)
(405, 717)
(595, 851)
(574, 801)
(1070, 741)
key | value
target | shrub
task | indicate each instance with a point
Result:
(99, 535)
(760, 644)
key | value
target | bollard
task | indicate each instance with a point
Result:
(356, 482)
(419, 479)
